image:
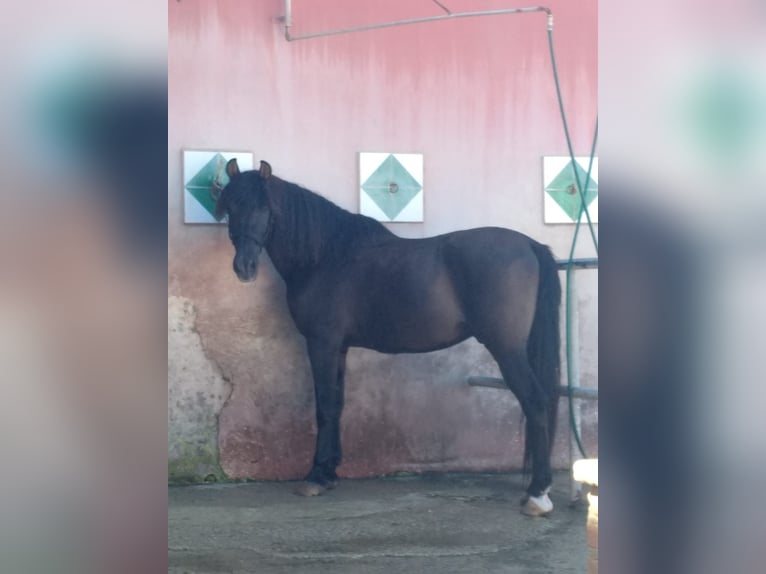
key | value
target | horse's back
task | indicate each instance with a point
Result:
(488, 243)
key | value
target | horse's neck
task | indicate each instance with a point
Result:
(280, 254)
(294, 266)
(287, 260)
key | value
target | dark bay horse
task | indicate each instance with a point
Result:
(352, 283)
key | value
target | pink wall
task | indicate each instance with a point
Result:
(475, 96)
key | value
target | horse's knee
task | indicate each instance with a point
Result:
(328, 413)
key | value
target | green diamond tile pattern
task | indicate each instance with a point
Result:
(391, 187)
(201, 183)
(563, 190)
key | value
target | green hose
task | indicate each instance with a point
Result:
(583, 209)
(569, 302)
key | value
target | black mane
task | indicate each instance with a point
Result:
(315, 228)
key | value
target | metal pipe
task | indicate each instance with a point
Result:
(288, 18)
(498, 383)
(449, 16)
(442, 6)
(579, 263)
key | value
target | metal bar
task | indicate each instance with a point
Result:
(491, 382)
(498, 383)
(442, 6)
(579, 263)
(450, 16)
(288, 18)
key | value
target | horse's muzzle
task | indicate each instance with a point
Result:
(246, 270)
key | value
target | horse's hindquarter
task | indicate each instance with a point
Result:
(495, 275)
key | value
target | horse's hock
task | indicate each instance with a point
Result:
(586, 471)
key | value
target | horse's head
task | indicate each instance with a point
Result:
(245, 201)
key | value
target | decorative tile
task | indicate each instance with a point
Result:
(562, 199)
(201, 169)
(391, 186)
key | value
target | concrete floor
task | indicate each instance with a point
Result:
(432, 523)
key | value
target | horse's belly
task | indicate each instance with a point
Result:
(412, 322)
(419, 339)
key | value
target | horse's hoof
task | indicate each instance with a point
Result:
(537, 505)
(310, 489)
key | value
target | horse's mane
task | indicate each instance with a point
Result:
(315, 228)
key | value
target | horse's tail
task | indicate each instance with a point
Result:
(544, 343)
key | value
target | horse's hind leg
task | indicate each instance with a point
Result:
(519, 377)
(328, 367)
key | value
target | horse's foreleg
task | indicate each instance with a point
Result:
(328, 366)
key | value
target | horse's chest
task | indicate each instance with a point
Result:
(317, 308)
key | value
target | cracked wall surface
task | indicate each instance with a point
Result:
(196, 393)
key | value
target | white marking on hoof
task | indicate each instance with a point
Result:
(309, 489)
(538, 505)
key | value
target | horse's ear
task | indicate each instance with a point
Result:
(232, 168)
(265, 170)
